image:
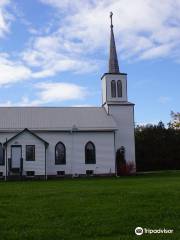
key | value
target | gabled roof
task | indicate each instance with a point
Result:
(26, 130)
(56, 119)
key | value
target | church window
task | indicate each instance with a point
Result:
(60, 173)
(113, 88)
(122, 151)
(90, 153)
(30, 173)
(1, 155)
(60, 153)
(119, 88)
(89, 172)
(30, 152)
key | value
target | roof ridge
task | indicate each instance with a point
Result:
(50, 107)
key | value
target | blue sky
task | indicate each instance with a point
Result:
(53, 53)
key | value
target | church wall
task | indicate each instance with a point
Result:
(23, 140)
(104, 92)
(75, 152)
(124, 118)
(3, 137)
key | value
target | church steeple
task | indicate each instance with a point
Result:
(114, 82)
(113, 60)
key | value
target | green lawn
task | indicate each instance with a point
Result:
(96, 208)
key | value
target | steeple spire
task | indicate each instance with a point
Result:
(113, 60)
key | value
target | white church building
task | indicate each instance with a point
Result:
(70, 141)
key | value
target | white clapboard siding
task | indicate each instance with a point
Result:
(124, 118)
(28, 139)
(75, 152)
(3, 137)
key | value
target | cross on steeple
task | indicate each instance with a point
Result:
(113, 60)
(111, 15)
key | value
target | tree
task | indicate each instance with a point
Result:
(157, 147)
(175, 122)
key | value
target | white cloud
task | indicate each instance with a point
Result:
(6, 104)
(158, 51)
(25, 101)
(5, 17)
(164, 99)
(51, 55)
(12, 71)
(84, 105)
(144, 28)
(67, 5)
(51, 92)
(144, 124)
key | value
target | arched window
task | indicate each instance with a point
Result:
(119, 88)
(60, 153)
(1, 154)
(90, 153)
(113, 88)
(122, 151)
(120, 161)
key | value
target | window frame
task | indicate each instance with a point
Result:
(119, 88)
(34, 153)
(56, 161)
(30, 173)
(60, 173)
(94, 153)
(2, 163)
(89, 172)
(113, 89)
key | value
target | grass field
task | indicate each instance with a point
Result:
(97, 208)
